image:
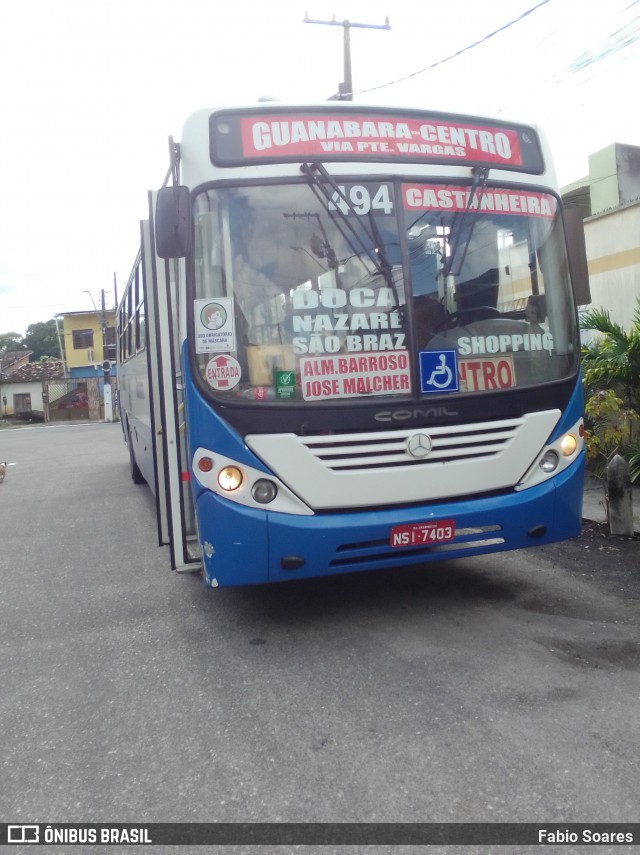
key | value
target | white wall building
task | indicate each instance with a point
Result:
(609, 198)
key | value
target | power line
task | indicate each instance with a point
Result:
(457, 53)
(617, 41)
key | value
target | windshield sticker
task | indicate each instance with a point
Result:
(215, 331)
(438, 371)
(362, 200)
(351, 376)
(317, 330)
(480, 375)
(285, 382)
(303, 136)
(223, 372)
(436, 197)
(479, 344)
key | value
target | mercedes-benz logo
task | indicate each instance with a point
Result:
(419, 445)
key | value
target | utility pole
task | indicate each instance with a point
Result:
(106, 367)
(345, 89)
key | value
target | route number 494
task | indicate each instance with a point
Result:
(362, 200)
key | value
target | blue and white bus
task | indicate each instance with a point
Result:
(350, 342)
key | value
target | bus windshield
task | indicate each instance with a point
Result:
(378, 288)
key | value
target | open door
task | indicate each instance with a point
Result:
(174, 505)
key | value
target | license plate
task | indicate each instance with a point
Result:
(422, 534)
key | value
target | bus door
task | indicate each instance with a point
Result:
(174, 505)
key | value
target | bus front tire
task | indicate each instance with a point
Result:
(136, 475)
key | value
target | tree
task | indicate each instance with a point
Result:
(610, 365)
(42, 339)
(10, 341)
(613, 360)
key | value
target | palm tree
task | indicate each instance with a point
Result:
(613, 359)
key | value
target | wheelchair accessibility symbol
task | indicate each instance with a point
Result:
(439, 371)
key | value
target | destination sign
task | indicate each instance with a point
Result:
(250, 136)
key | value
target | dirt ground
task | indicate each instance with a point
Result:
(610, 561)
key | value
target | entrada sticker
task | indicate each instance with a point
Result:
(223, 372)
(438, 371)
(214, 325)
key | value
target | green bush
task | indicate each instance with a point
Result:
(611, 371)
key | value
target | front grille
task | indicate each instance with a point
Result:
(389, 448)
(407, 465)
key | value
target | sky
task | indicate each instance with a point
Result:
(92, 89)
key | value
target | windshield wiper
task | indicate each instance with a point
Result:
(320, 180)
(372, 245)
(480, 175)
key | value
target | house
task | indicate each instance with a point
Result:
(23, 390)
(12, 360)
(86, 348)
(609, 202)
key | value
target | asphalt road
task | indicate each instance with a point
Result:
(502, 688)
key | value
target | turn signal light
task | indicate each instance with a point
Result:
(205, 464)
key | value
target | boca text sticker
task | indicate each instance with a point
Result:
(223, 372)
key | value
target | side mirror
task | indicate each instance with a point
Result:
(173, 222)
(577, 250)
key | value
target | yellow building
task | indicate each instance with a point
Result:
(85, 347)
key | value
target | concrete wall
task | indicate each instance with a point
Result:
(613, 252)
(614, 177)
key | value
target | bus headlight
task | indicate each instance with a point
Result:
(264, 491)
(568, 444)
(235, 481)
(549, 462)
(230, 478)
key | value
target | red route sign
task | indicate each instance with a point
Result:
(288, 134)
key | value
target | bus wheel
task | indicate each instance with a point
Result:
(136, 475)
